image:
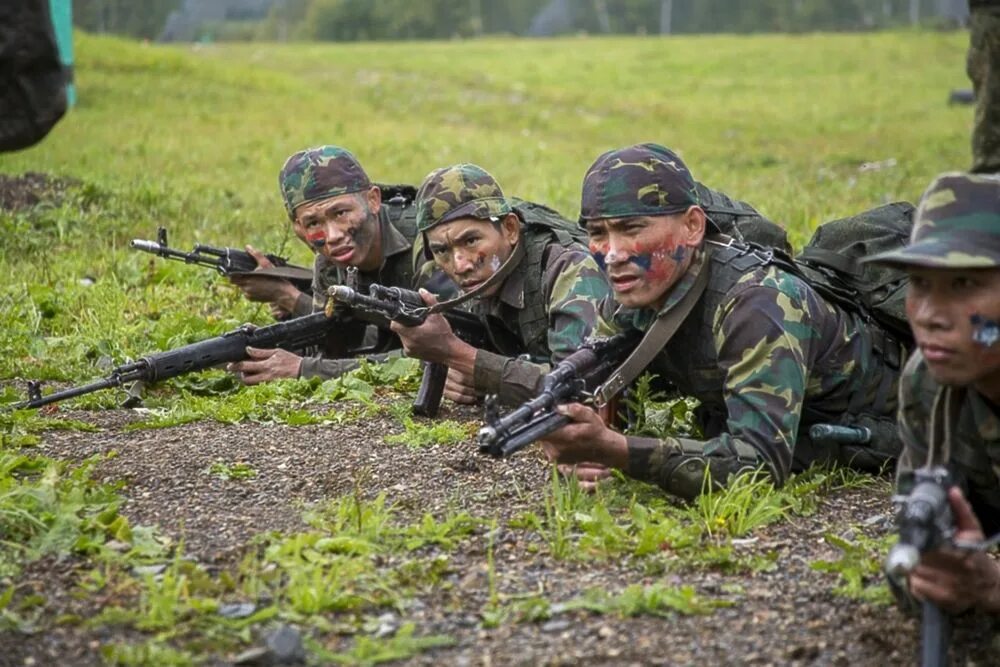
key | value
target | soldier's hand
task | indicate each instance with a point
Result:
(266, 365)
(264, 289)
(955, 579)
(586, 439)
(262, 261)
(588, 475)
(431, 341)
(458, 388)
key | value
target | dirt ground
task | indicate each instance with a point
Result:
(30, 189)
(787, 616)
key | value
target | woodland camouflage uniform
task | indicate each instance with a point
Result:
(546, 307)
(763, 352)
(957, 226)
(330, 171)
(983, 66)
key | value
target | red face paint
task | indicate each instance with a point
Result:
(316, 238)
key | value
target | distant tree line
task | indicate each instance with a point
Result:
(143, 19)
(350, 20)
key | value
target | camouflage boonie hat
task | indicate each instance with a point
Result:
(460, 191)
(645, 179)
(319, 173)
(956, 226)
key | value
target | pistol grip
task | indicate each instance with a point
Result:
(431, 390)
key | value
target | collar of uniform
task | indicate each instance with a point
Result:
(393, 241)
(986, 420)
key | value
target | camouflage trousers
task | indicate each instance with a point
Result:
(983, 67)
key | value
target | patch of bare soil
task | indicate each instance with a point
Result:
(786, 616)
(31, 188)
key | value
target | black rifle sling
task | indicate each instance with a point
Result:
(659, 334)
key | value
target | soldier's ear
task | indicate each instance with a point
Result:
(693, 226)
(374, 199)
(510, 227)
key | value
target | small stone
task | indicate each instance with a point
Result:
(257, 655)
(387, 626)
(237, 609)
(285, 645)
(556, 626)
(605, 632)
(152, 570)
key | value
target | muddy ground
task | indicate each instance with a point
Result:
(787, 616)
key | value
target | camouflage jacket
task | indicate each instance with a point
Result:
(767, 357)
(559, 280)
(974, 446)
(403, 265)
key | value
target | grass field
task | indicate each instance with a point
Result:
(192, 138)
(807, 128)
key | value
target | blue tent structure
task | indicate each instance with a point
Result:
(62, 22)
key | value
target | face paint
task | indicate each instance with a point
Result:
(316, 238)
(495, 263)
(984, 331)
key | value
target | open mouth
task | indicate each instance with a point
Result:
(470, 285)
(342, 254)
(624, 283)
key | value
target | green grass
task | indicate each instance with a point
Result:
(192, 138)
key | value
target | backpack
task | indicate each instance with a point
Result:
(32, 80)
(830, 263)
(741, 221)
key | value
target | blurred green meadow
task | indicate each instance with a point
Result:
(192, 138)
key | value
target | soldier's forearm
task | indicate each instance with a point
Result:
(678, 465)
(512, 380)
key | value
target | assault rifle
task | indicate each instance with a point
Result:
(925, 523)
(383, 304)
(292, 334)
(227, 261)
(391, 303)
(571, 380)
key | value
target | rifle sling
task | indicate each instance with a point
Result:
(658, 335)
(501, 274)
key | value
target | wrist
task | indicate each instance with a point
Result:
(989, 603)
(614, 448)
(289, 297)
(461, 356)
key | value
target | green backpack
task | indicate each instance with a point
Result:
(830, 262)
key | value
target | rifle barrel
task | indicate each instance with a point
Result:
(111, 381)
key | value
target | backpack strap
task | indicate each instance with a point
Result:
(658, 335)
